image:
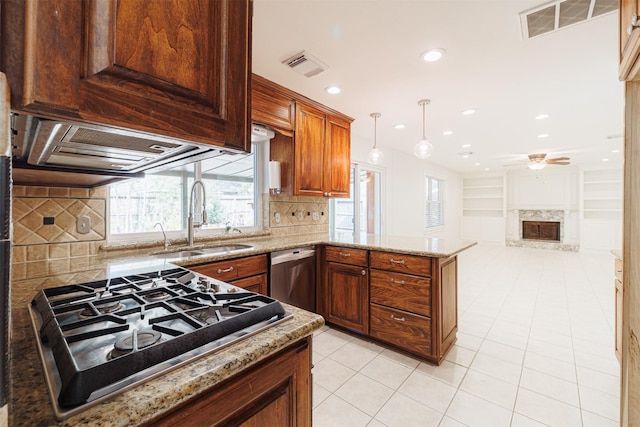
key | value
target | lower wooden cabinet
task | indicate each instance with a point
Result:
(249, 273)
(408, 301)
(277, 392)
(348, 296)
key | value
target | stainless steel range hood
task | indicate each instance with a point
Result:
(91, 148)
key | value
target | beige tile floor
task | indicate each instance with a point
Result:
(535, 348)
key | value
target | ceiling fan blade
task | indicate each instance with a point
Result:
(558, 158)
(537, 157)
(559, 163)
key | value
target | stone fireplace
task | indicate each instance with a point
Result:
(542, 229)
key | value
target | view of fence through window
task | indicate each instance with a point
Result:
(137, 205)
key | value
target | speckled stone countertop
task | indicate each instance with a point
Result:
(30, 403)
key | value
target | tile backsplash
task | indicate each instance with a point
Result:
(297, 214)
(45, 222)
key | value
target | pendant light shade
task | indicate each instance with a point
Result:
(423, 149)
(375, 155)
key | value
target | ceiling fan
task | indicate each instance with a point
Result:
(539, 161)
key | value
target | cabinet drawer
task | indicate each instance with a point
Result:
(406, 330)
(618, 269)
(256, 283)
(231, 269)
(410, 264)
(402, 291)
(346, 255)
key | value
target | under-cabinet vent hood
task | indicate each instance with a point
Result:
(89, 148)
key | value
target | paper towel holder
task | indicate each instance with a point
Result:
(275, 188)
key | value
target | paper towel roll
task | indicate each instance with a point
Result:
(274, 174)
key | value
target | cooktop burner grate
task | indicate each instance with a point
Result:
(97, 338)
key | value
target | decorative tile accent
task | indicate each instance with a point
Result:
(29, 214)
(542, 215)
(297, 212)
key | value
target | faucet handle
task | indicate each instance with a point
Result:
(204, 217)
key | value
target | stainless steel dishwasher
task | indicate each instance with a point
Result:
(293, 277)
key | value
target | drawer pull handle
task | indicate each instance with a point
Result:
(618, 271)
(400, 282)
(393, 261)
(400, 319)
(226, 270)
(344, 255)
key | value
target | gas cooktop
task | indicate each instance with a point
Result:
(100, 338)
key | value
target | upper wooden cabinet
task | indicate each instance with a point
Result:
(629, 39)
(313, 144)
(178, 68)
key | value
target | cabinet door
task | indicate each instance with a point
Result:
(257, 284)
(348, 296)
(178, 68)
(276, 392)
(269, 106)
(309, 151)
(337, 158)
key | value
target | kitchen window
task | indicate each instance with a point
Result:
(231, 193)
(434, 205)
(363, 216)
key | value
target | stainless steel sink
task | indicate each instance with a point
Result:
(222, 249)
(178, 254)
(226, 249)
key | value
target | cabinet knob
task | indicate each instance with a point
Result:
(363, 272)
(325, 194)
(226, 270)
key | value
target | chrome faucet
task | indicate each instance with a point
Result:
(191, 224)
(166, 242)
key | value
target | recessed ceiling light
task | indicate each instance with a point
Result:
(466, 146)
(447, 132)
(615, 151)
(542, 116)
(465, 154)
(432, 55)
(469, 111)
(605, 160)
(543, 135)
(399, 126)
(477, 164)
(333, 90)
(487, 169)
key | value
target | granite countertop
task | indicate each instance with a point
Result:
(30, 402)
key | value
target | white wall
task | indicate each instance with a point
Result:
(403, 206)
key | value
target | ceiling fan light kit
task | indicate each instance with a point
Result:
(375, 155)
(423, 149)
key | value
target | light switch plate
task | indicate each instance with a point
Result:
(315, 216)
(300, 216)
(276, 217)
(83, 224)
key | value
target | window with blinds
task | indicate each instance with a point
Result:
(434, 203)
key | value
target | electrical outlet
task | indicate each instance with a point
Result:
(300, 216)
(83, 224)
(276, 217)
(315, 216)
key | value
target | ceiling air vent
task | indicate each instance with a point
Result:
(560, 14)
(306, 64)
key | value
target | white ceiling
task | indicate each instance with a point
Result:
(373, 51)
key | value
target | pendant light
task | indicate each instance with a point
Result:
(375, 155)
(423, 149)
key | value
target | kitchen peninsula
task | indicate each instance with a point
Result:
(236, 364)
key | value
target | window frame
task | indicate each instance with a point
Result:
(357, 168)
(260, 153)
(429, 179)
